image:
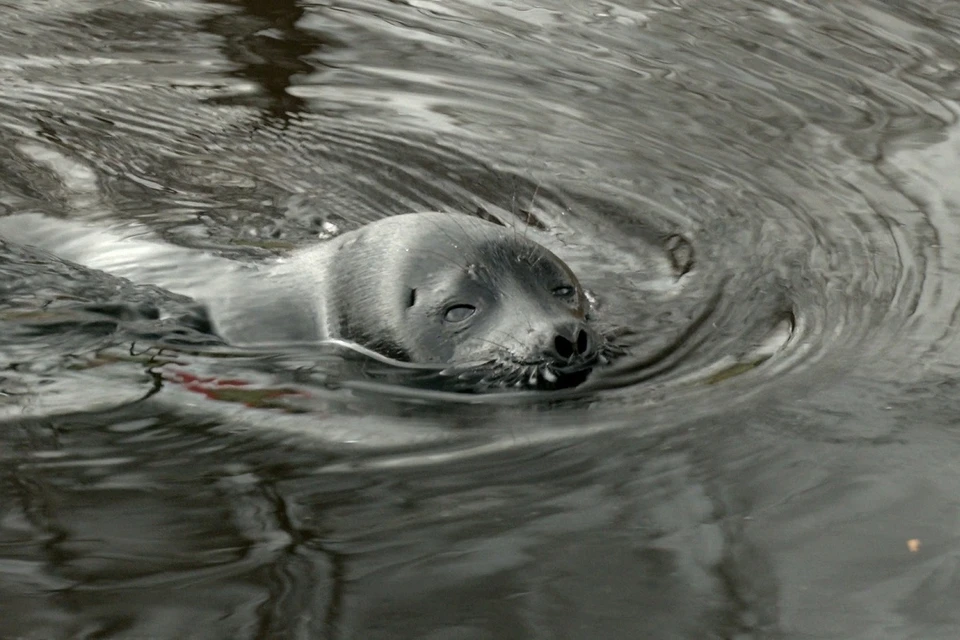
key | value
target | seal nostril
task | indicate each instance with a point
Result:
(583, 342)
(563, 346)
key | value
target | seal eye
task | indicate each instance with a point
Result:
(459, 312)
(565, 291)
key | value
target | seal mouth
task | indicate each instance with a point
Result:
(541, 375)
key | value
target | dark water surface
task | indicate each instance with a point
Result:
(764, 193)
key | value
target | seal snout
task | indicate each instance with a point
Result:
(572, 344)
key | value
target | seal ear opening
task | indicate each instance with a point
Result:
(412, 298)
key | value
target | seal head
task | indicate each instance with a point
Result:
(493, 307)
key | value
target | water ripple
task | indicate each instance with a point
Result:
(759, 196)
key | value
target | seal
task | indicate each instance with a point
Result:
(479, 300)
(430, 288)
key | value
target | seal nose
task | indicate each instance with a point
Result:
(573, 343)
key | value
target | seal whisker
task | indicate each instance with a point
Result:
(494, 343)
(438, 225)
(533, 200)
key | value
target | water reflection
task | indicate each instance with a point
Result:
(270, 50)
(761, 195)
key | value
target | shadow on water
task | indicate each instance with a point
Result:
(270, 51)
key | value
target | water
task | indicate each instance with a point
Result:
(762, 193)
